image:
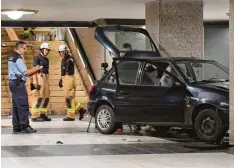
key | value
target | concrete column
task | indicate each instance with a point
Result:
(231, 66)
(177, 26)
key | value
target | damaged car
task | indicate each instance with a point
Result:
(142, 87)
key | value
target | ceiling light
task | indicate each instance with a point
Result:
(18, 13)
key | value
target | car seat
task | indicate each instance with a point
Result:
(166, 80)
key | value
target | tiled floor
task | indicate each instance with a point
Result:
(67, 144)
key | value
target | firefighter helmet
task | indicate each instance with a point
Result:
(62, 48)
(45, 46)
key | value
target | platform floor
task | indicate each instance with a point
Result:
(67, 144)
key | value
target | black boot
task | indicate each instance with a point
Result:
(45, 117)
(69, 119)
(16, 130)
(28, 130)
(82, 111)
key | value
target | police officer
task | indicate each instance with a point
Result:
(68, 83)
(41, 85)
(18, 74)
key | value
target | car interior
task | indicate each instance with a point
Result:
(152, 75)
(156, 76)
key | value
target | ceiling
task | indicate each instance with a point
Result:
(88, 10)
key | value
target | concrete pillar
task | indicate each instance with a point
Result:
(231, 67)
(177, 25)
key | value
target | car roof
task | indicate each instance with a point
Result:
(153, 56)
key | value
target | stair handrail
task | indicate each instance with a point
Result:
(81, 52)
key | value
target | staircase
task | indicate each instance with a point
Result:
(57, 101)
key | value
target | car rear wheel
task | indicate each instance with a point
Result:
(209, 126)
(105, 120)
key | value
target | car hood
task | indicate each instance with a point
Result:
(210, 92)
(222, 86)
(213, 88)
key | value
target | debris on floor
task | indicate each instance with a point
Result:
(59, 142)
(96, 149)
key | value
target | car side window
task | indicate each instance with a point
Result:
(127, 72)
(150, 75)
(112, 78)
(185, 70)
(155, 75)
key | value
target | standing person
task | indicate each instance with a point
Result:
(41, 84)
(18, 75)
(68, 83)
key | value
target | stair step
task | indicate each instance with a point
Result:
(6, 106)
(5, 94)
(5, 89)
(5, 111)
(6, 100)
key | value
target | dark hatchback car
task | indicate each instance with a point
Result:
(144, 88)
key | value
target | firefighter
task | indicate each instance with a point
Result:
(41, 85)
(68, 83)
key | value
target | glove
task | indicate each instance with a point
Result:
(60, 83)
(32, 86)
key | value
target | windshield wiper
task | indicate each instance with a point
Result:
(212, 81)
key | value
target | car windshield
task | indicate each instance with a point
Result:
(129, 40)
(203, 71)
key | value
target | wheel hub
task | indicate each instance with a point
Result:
(208, 126)
(104, 119)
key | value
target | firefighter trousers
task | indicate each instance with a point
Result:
(41, 96)
(69, 90)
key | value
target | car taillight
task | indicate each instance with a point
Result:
(92, 88)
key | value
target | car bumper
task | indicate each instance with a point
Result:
(91, 107)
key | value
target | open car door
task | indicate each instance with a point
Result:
(148, 93)
(121, 39)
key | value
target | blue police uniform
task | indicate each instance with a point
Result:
(20, 107)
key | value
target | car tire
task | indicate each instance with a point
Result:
(105, 112)
(209, 126)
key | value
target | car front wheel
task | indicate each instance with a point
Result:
(105, 120)
(209, 126)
